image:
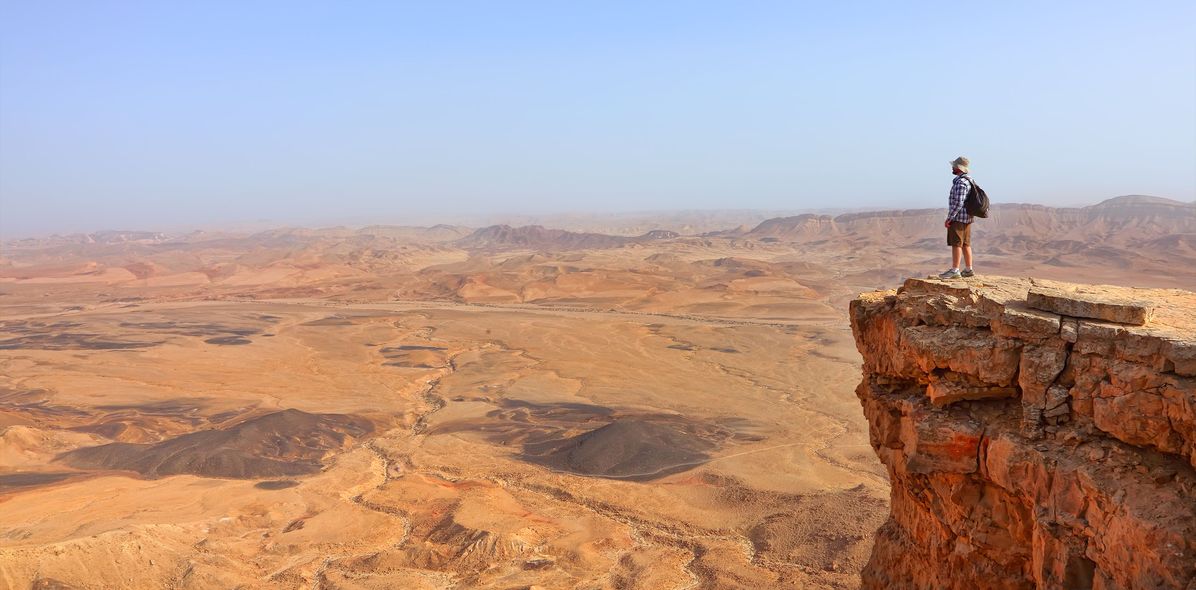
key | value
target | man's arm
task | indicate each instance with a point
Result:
(955, 199)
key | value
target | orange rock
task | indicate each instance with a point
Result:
(1096, 303)
(1029, 449)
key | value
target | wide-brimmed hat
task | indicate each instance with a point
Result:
(961, 163)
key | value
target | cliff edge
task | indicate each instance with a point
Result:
(1036, 434)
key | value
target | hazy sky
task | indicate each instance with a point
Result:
(170, 114)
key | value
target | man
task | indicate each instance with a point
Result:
(959, 223)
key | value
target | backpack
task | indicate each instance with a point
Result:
(976, 203)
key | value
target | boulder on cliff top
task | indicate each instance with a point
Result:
(1083, 303)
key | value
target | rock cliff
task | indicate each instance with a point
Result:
(1036, 434)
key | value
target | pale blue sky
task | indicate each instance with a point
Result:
(173, 114)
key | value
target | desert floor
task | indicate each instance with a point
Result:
(407, 408)
(504, 446)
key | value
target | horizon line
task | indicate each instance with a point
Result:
(496, 219)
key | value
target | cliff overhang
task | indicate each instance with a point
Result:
(1036, 434)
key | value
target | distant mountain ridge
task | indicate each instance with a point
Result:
(1141, 235)
(1160, 215)
(1147, 216)
(540, 237)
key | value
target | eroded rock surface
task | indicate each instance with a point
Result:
(1090, 303)
(1028, 448)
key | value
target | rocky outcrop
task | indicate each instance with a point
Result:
(1030, 441)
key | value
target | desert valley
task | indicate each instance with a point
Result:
(649, 405)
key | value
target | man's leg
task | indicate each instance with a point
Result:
(967, 257)
(955, 252)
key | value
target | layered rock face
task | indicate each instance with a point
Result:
(1036, 434)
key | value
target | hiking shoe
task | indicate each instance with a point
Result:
(967, 272)
(950, 273)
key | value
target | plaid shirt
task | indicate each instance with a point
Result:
(959, 191)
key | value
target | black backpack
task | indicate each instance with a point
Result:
(976, 203)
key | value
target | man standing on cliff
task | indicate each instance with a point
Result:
(959, 222)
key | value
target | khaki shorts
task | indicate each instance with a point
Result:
(959, 234)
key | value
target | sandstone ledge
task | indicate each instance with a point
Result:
(1094, 304)
(1027, 448)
